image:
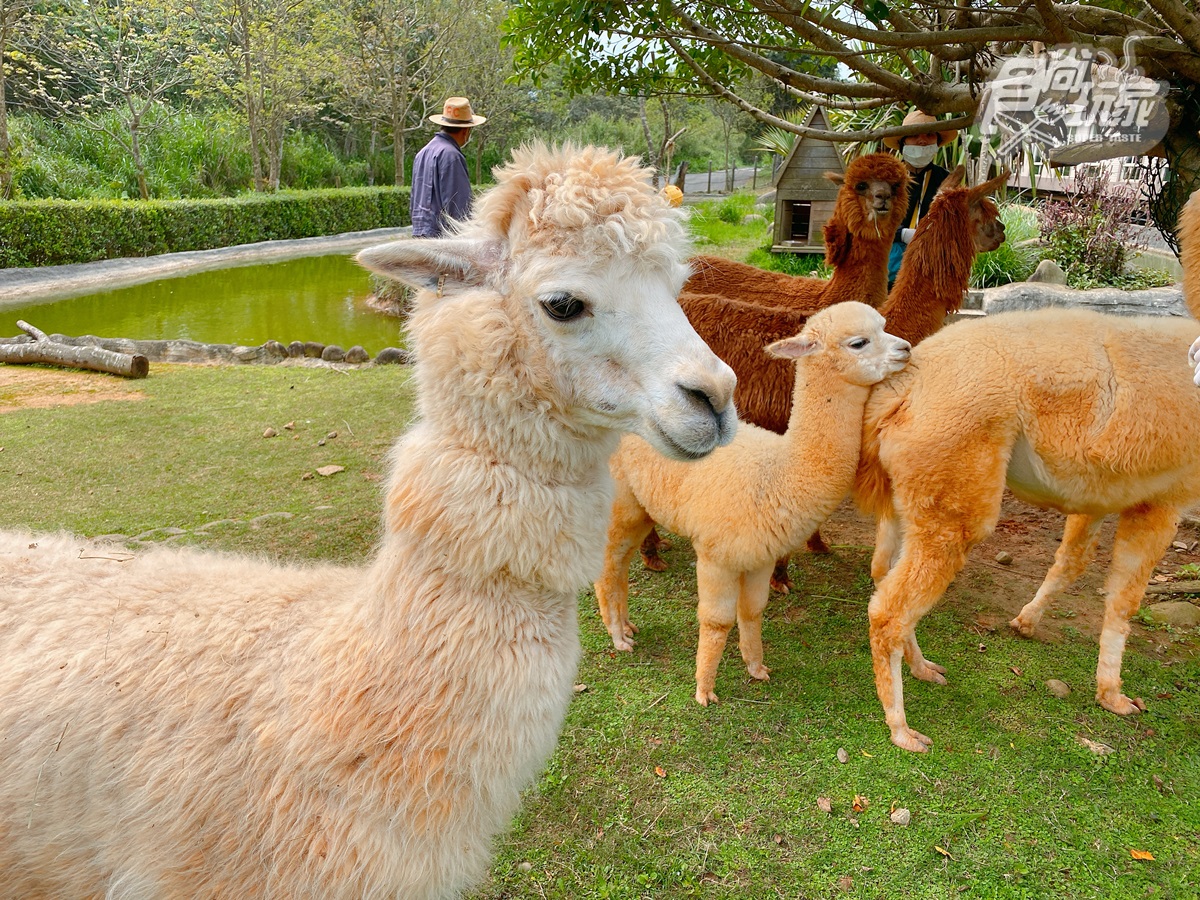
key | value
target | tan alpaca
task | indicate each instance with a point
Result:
(194, 725)
(758, 498)
(1077, 411)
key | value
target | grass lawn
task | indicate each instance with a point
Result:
(648, 794)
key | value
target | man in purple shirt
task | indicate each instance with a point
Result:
(441, 187)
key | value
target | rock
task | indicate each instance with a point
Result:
(1165, 301)
(275, 350)
(754, 219)
(158, 534)
(842, 755)
(313, 350)
(269, 432)
(900, 816)
(326, 471)
(1058, 688)
(110, 538)
(217, 523)
(296, 349)
(1179, 613)
(270, 517)
(1048, 272)
(333, 353)
(1004, 558)
(357, 354)
(389, 356)
(248, 354)
(767, 199)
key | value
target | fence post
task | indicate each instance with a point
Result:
(710, 176)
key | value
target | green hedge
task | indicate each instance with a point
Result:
(56, 232)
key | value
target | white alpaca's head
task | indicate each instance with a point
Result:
(851, 340)
(562, 288)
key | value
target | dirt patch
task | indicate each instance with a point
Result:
(987, 594)
(33, 387)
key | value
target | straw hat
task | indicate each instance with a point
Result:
(916, 117)
(457, 114)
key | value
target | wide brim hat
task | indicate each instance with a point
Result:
(916, 117)
(457, 113)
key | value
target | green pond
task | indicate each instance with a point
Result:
(318, 298)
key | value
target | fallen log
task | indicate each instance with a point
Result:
(44, 350)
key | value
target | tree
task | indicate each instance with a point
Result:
(119, 56)
(925, 53)
(12, 14)
(398, 50)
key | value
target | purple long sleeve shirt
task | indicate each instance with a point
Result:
(440, 186)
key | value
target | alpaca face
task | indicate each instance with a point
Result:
(874, 195)
(987, 228)
(625, 356)
(850, 339)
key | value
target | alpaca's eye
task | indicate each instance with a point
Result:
(563, 307)
(858, 343)
(862, 186)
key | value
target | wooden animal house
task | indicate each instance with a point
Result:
(804, 198)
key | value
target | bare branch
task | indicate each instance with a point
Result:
(1180, 19)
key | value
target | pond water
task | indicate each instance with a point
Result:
(318, 298)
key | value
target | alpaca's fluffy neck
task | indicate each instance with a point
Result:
(862, 276)
(935, 272)
(822, 443)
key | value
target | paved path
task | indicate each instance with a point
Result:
(698, 182)
(24, 285)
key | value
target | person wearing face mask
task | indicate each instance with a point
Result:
(917, 151)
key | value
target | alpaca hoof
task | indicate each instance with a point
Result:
(1023, 628)
(654, 563)
(759, 672)
(1122, 705)
(622, 643)
(907, 739)
(664, 544)
(628, 629)
(816, 544)
(704, 697)
(930, 671)
(781, 585)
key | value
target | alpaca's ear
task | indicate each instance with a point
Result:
(988, 187)
(446, 266)
(837, 242)
(954, 179)
(792, 348)
(836, 177)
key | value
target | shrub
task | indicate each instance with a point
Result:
(1089, 231)
(57, 232)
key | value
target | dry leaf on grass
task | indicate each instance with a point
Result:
(943, 851)
(1141, 854)
(660, 771)
(900, 816)
(1095, 746)
(330, 470)
(824, 804)
(860, 802)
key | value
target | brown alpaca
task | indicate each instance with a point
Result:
(858, 239)
(937, 265)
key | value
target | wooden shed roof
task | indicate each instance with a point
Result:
(810, 158)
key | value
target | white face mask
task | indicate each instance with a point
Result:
(917, 156)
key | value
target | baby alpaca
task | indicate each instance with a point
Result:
(759, 497)
(188, 724)
(1077, 411)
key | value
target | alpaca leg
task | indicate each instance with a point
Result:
(780, 579)
(1143, 534)
(919, 665)
(752, 600)
(905, 594)
(1081, 534)
(629, 525)
(816, 543)
(887, 545)
(651, 547)
(718, 591)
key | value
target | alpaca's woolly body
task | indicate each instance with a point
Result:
(1076, 411)
(764, 494)
(188, 724)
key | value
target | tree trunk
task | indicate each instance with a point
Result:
(252, 122)
(135, 149)
(43, 350)
(5, 146)
(275, 137)
(399, 148)
(1182, 147)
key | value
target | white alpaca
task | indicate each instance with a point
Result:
(757, 499)
(188, 724)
